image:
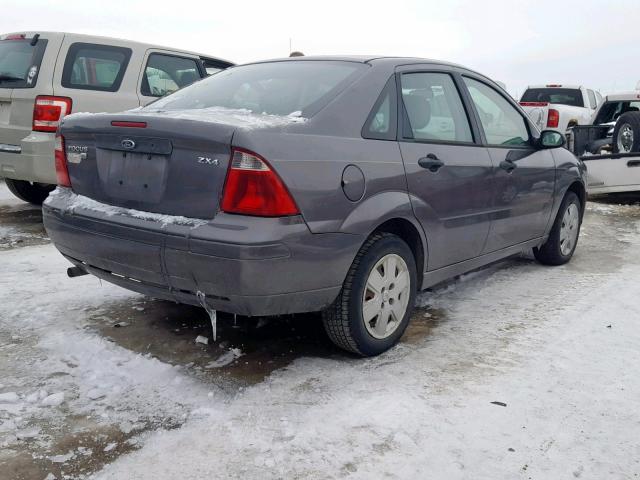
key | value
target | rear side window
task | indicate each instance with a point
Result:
(298, 88)
(165, 74)
(592, 99)
(20, 62)
(95, 67)
(561, 96)
(382, 121)
(433, 109)
(501, 121)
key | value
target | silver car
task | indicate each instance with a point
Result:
(47, 75)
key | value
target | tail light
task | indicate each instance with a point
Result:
(553, 118)
(254, 188)
(62, 172)
(534, 104)
(48, 112)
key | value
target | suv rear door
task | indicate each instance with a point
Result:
(98, 76)
(449, 172)
(164, 72)
(34, 64)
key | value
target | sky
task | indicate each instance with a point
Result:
(587, 42)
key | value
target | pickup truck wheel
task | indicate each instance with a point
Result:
(626, 134)
(563, 238)
(34, 193)
(373, 308)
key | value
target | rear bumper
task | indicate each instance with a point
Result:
(244, 265)
(32, 159)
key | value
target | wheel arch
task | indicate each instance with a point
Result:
(578, 188)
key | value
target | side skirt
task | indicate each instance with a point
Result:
(436, 276)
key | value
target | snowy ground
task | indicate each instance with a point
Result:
(98, 381)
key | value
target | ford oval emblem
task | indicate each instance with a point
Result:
(128, 144)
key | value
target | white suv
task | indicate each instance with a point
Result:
(47, 75)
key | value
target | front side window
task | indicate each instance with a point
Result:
(611, 111)
(500, 120)
(95, 67)
(433, 109)
(165, 74)
(297, 88)
(20, 62)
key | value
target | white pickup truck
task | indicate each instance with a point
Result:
(610, 145)
(560, 107)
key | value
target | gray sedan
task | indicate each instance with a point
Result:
(342, 185)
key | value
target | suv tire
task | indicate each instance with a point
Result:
(562, 241)
(626, 133)
(34, 193)
(380, 286)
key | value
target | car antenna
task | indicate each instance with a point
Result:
(34, 40)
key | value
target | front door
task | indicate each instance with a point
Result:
(524, 175)
(449, 173)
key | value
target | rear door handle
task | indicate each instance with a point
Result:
(431, 163)
(508, 165)
(633, 163)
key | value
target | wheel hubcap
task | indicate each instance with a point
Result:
(569, 229)
(386, 296)
(625, 139)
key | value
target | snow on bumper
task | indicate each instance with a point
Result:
(244, 265)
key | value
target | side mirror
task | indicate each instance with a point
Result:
(551, 139)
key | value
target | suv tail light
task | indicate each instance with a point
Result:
(254, 188)
(48, 112)
(62, 172)
(553, 118)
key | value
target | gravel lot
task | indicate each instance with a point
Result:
(513, 371)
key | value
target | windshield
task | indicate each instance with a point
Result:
(561, 96)
(20, 62)
(298, 88)
(611, 111)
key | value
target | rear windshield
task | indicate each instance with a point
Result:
(300, 88)
(562, 96)
(20, 62)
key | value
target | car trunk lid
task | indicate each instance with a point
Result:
(149, 163)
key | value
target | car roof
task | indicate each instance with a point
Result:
(89, 38)
(623, 96)
(359, 59)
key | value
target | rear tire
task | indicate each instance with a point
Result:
(626, 134)
(34, 193)
(563, 238)
(373, 308)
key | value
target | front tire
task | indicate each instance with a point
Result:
(34, 193)
(563, 238)
(373, 308)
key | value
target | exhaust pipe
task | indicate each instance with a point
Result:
(73, 272)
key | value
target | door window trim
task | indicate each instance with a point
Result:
(70, 59)
(402, 111)
(509, 100)
(201, 70)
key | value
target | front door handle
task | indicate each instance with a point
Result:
(431, 163)
(508, 165)
(633, 163)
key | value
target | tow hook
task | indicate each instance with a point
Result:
(213, 315)
(73, 272)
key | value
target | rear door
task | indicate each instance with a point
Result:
(26, 69)
(98, 76)
(449, 173)
(524, 176)
(165, 72)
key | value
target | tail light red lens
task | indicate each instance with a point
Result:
(254, 188)
(62, 171)
(553, 118)
(48, 112)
